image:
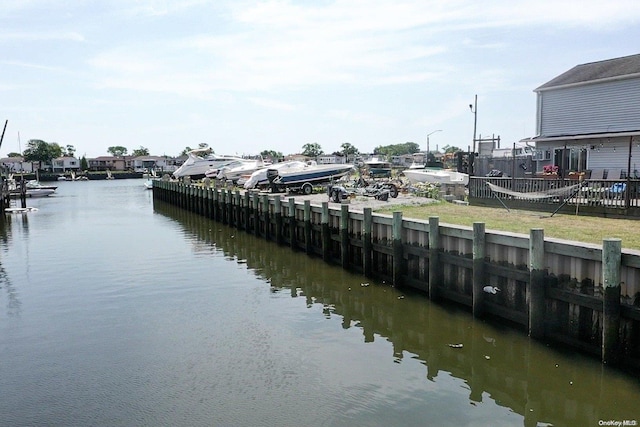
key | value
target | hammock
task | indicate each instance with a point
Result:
(536, 195)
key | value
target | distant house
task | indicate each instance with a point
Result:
(326, 159)
(112, 163)
(157, 163)
(17, 165)
(296, 157)
(588, 118)
(65, 163)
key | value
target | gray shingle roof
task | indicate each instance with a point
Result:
(592, 71)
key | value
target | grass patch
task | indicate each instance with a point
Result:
(563, 226)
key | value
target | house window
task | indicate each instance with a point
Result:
(570, 159)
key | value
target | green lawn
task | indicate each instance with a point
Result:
(564, 226)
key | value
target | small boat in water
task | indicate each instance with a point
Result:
(35, 184)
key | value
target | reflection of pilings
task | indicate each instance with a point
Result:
(459, 261)
(516, 373)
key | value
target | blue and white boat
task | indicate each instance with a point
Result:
(304, 179)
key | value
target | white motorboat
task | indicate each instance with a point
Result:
(259, 178)
(436, 176)
(378, 167)
(305, 178)
(34, 184)
(200, 161)
(233, 171)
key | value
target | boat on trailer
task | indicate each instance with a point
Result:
(304, 179)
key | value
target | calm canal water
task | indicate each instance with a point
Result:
(116, 312)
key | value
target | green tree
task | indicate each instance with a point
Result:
(349, 150)
(271, 154)
(84, 165)
(450, 149)
(117, 150)
(14, 154)
(70, 150)
(142, 151)
(397, 149)
(41, 151)
(312, 150)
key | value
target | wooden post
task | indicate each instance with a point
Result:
(396, 233)
(223, 200)
(611, 260)
(292, 223)
(216, 200)
(265, 216)
(256, 213)
(478, 268)
(238, 210)
(536, 283)
(344, 235)
(326, 233)
(278, 218)
(307, 227)
(247, 210)
(435, 270)
(367, 243)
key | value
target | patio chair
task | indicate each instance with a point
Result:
(597, 174)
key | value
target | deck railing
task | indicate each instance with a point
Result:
(607, 194)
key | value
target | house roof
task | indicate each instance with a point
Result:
(625, 66)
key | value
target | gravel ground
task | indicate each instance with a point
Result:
(360, 202)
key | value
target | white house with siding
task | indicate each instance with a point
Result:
(588, 118)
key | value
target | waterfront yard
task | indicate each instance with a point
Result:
(563, 226)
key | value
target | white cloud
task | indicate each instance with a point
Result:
(40, 36)
(272, 104)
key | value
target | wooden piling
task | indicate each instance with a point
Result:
(611, 259)
(344, 236)
(325, 232)
(216, 202)
(435, 270)
(536, 284)
(292, 223)
(278, 219)
(308, 247)
(367, 243)
(246, 211)
(479, 283)
(396, 233)
(265, 216)
(238, 210)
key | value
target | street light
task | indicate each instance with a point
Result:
(429, 134)
(474, 109)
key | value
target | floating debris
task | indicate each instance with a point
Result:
(455, 345)
(488, 357)
(401, 297)
(364, 285)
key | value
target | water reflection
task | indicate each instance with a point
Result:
(497, 364)
(13, 302)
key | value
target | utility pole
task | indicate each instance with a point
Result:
(474, 109)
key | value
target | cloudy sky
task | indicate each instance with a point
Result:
(246, 76)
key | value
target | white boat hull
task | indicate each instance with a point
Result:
(436, 176)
